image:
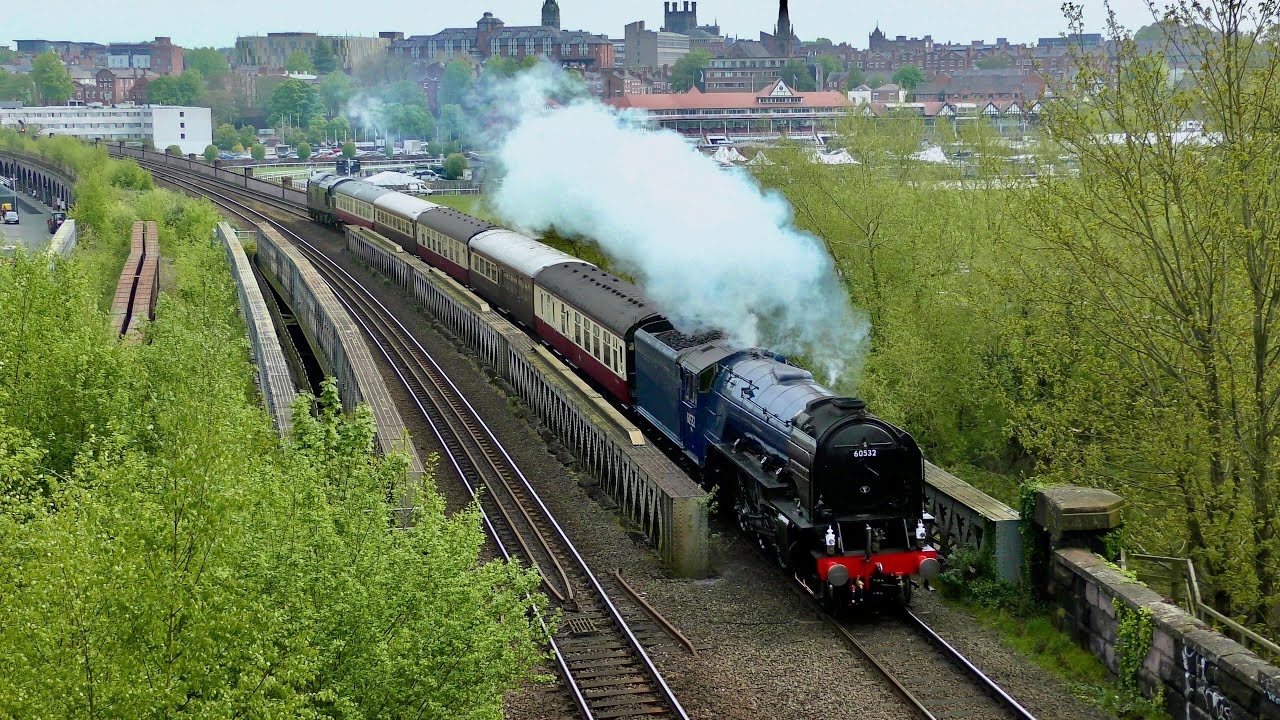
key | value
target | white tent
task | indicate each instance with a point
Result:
(397, 181)
(839, 157)
(725, 155)
(932, 154)
(760, 159)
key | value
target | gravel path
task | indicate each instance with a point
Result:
(764, 651)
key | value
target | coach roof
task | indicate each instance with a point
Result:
(520, 252)
(453, 223)
(403, 206)
(362, 191)
(613, 302)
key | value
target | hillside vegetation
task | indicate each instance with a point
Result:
(167, 555)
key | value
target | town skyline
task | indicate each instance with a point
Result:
(946, 22)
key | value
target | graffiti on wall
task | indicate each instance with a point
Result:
(1202, 690)
(1271, 689)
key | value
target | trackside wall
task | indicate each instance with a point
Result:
(274, 381)
(1202, 674)
(648, 488)
(342, 348)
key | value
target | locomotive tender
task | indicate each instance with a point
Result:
(834, 493)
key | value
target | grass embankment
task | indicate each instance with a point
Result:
(166, 554)
(1025, 625)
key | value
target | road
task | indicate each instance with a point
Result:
(31, 232)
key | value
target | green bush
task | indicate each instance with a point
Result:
(258, 152)
(211, 153)
(173, 150)
(304, 150)
(455, 166)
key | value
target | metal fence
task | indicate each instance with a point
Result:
(1175, 578)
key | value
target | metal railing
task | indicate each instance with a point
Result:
(1180, 579)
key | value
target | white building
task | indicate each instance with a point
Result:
(190, 128)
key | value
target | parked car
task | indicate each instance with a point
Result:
(55, 221)
(11, 217)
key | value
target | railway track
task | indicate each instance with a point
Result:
(603, 662)
(606, 668)
(930, 675)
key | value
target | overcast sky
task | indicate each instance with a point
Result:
(195, 23)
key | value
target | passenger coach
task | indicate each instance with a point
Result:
(395, 215)
(353, 202)
(503, 266)
(443, 237)
(590, 317)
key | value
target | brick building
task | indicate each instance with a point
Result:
(159, 56)
(491, 37)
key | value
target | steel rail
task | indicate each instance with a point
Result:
(996, 691)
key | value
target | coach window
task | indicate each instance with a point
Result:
(577, 329)
(595, 342)
(564, 321)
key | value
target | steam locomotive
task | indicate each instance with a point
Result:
(831, 491)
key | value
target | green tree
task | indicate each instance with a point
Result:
(317, 130)
(334, 91)
(908, 77)
(173, 150)
(255, 578)
(17, 86)
(258, 152)
(323, 59)
(185, 89)
(453, 121)
(998, 61)
(687, 72)
(456, 85)
(211, 153)
(454, 166)
(299, 62)
(798, 76)
(412, 121)
(830, 64)
(294, 99)
(339, 129)
(53, 83)
(389, 150)
(304, 151)
(348, 149)
(237, 148)
(248, 134)
(856, 78)
(211, 64)
(1159, 276)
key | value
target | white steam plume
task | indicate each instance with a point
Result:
(710, 247)
(368, 112)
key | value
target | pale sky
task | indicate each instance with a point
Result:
(196, 23)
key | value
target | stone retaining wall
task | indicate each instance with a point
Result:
(1202, 674)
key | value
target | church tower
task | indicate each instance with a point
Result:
(783, 32)
(551, 14)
